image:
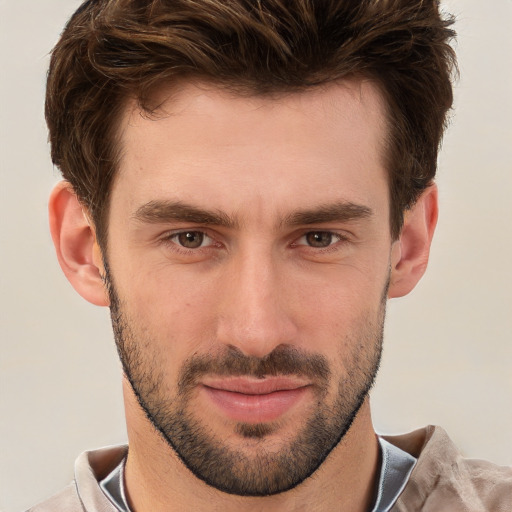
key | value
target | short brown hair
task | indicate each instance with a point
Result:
(112, 50)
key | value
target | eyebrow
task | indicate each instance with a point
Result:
(341, 211)
(156, 212)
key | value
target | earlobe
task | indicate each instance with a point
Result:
(75, 243)
(410, 253)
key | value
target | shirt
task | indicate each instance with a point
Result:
(396, 467)
(442, 479)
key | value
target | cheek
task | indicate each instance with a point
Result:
(343, 320)
(341, 295)
(173, 314)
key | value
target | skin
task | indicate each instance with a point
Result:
(256, 284)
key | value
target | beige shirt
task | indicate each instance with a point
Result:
(442, 480)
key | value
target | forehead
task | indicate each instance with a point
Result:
(207, 145)
(357, 101)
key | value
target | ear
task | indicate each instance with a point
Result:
(409, 254)
(75, 241)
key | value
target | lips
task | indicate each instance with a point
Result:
(253, 400)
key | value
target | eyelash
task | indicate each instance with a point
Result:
(337, 238)
(170, 240)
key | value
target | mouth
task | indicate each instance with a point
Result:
(251, 400)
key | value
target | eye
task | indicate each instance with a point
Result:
(319, 239)
(191, 239)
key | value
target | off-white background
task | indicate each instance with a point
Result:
(448, 351)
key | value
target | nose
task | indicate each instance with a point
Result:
(253, 308)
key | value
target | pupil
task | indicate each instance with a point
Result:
(319, 239)
(191, 239)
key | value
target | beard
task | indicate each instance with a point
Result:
(260, 471)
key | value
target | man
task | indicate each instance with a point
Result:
(246, 183)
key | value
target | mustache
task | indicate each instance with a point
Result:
(282, 360)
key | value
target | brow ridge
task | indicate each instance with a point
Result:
(162, 211)
(158, 211)
(342, 211)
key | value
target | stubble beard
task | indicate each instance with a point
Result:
(262, 472)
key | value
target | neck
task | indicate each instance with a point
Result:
(157, 480)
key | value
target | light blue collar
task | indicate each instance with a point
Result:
(395, 470)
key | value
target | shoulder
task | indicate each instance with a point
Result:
(67, 500)
(443, 480)
(85, 494)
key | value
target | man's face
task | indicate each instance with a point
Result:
(248, 258)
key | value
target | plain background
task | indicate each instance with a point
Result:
(448, 349)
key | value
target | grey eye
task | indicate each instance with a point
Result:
(319, 238)
(190, 239)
